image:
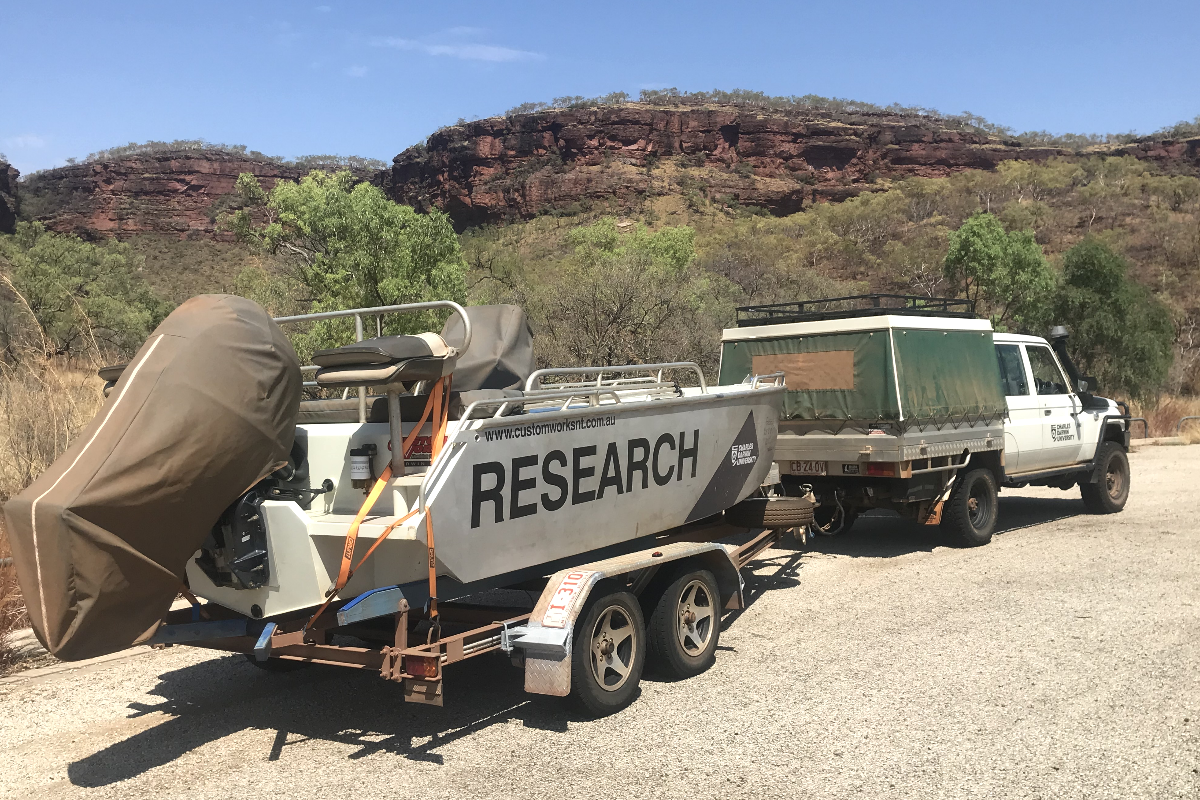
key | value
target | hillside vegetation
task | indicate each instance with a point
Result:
(894, 240)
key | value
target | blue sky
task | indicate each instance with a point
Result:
(371, 78)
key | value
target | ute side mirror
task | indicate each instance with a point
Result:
(1088, 383)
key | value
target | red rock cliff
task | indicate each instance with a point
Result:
(179, 193)
(8, 197)
(519, 166)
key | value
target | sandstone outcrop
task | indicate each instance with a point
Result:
(519, 166)
(8, 197)
(1172, 156)
(175, 193)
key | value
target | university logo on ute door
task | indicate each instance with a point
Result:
(731, 474)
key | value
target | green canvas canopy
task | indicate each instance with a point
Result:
(893, 373)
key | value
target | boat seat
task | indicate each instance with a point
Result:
(386, 361)
(110, 375)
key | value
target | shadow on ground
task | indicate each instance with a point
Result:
(883, 534)
(214, 699)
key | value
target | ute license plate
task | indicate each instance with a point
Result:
(809, 468)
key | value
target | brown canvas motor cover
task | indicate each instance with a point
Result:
(205, 410)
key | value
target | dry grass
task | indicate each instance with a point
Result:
(1164, 414)
(42, 407)
(12, 608)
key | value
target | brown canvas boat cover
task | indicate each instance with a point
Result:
(205, 410)
(501, 351)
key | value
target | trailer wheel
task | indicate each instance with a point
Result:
(770, 512)
(969, 516)
(685, 625)
(608, 653)
(1108, 495)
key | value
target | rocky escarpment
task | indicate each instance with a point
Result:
(1172, 156)
(527, 164)
(8, 197)
(177, 193)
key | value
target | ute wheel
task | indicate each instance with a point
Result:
(608, 653)
(969, 516)
(1108, 494)
(770, 512)
(685, 625)
(277, 664)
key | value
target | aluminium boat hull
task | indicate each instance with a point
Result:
(512, 493)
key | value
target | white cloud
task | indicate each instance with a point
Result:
(465, 51)
(26, 140)
(356, 71)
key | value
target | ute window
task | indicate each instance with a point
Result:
(1012, 371)
(1047, 377)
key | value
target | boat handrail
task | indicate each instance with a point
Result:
(534, 380)
(592, 394)
(776, 378)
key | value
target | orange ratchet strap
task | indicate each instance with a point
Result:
(442, 415)
(345, 572)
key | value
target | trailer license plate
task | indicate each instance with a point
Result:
(809, 468)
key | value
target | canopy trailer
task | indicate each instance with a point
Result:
(458, 469)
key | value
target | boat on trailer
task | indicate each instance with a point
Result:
(448, 467)
(575, 461)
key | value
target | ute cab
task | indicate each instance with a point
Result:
(1057, 433)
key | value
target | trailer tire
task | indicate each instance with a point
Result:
(770, 512)
(969, 516)
(685, 626)
(1109, 494)
(608, 653)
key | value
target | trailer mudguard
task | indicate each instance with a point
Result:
(546, 638)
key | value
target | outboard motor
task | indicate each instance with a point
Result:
(235, 552)
(1082, 384)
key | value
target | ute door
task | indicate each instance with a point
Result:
(1023, 428)
(1060, 408)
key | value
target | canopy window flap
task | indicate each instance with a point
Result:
(810, 371)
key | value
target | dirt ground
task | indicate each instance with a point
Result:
(1059, 661)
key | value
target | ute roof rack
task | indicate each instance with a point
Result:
(858, 305)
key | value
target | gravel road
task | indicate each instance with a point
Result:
(1059, 661)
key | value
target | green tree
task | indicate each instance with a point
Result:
(86, 298)
(632, 296)
(1119, 331)
(1002, 274)
(349, 246)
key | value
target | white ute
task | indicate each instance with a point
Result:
(915, 405)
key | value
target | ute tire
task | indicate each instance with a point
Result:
(1110, 493)
(588, 695)
(967, 523)
(770, 512)
(670, 654)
